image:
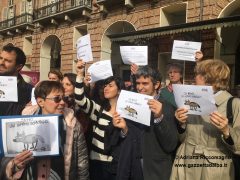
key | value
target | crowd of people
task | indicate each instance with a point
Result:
(96, 143)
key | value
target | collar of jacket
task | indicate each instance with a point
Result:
(222, 97)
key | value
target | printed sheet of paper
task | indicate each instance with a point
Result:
(84, 48)
(185, 50)
(133, 106)
(134, 54)
(199, 100)
(33, 99)
(8, 89)
(100, 70)
(38, 134)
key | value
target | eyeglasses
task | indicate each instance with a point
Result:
(57, 99)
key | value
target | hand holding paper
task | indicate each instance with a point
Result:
(22, 159)
(80, 67)
(156, 107)
(198, 56)
(181, 115)
(134, 69)
(119, 122)
(220, 122)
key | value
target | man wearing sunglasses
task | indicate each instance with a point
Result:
(12, 60)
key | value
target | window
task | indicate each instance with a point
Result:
(44, 3)
(10, 2)
(23, 7)
(11, 13)
(5, 13)
(26, 7)
(29, 7)
(27, 45)
(173, 14)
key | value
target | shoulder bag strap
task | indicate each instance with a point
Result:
(229, 110)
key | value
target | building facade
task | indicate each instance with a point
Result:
(47, 30)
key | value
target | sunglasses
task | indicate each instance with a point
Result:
(57, 99)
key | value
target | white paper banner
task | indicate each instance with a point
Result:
(198, 100)
(134, 54)
(185, 50)
(133, 106)
(8, 89)
(84, 48)
(100, 70)
(36, 133)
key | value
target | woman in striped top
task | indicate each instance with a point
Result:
(100, 160)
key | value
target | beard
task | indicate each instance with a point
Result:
(9, 72)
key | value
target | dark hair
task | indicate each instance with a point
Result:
(71, 77)
(20, 55)
(147, 71)
(119, 83)
(56, 72)
(44, 88)
(70, 99)
(97, 92)
(175, 65)
(117, 80)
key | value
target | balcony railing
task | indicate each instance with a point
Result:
(61, 6)
(109, 1)
(17, 20)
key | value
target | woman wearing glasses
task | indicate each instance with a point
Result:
(208, 142)
(73, 160)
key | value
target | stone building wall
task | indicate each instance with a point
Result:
(143, 16)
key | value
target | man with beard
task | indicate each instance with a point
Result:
(12, 60)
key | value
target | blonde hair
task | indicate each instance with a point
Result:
(215, 73)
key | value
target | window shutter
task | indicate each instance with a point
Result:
(23, 7)
(29, 7)
(5, 13)
(44, 3)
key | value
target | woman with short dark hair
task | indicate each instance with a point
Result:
(72, 163)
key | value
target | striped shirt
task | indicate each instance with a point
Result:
(102, 120)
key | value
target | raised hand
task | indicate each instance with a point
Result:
(119, 122)
(87, 79)
(134, 69)
(198, 56)
(80, 67)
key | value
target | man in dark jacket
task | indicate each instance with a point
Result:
(12, 60)
(159, 141)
